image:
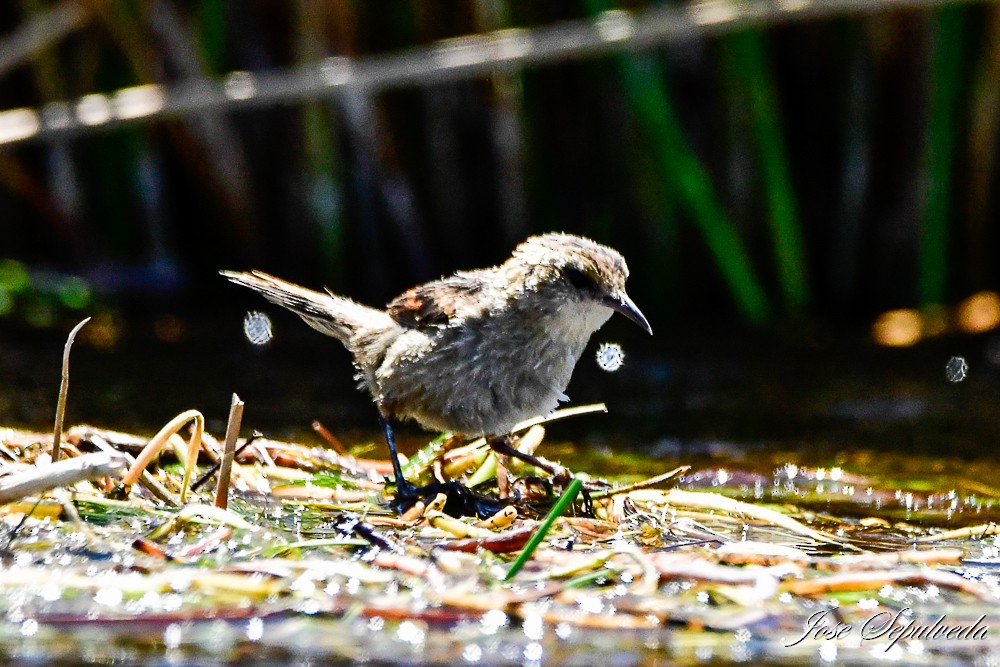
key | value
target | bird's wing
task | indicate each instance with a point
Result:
(438, 302)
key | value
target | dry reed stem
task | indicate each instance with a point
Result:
(63, 392)
(644, 484)
(64, 473)
(413, 514)
(876, 579)
(502, 519)
(229, 452)
(703, 500)
(157, 443)
(213, 513)
(977, 532)
(146, 480)
(332, 440)
(455, 527)
(867, 561)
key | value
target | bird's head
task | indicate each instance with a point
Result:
(580, 268)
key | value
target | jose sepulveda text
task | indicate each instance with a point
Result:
(890, 626)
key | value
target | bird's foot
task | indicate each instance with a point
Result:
(461, 500)
(561, 477)
(407, 494)
(503, 445)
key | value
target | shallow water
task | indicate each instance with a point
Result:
(842, 430)
(352, 623)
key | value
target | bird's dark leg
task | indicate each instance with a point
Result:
(462, 501)
(406, 493)
(501, 445)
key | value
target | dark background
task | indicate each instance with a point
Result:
(776, 185)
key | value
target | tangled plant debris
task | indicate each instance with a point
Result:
(126, 538)
(116, 533)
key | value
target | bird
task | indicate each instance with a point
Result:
(477, 352)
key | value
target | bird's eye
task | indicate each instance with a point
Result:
(579, 279)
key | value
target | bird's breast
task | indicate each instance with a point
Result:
(483, 376)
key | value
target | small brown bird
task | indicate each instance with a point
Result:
(477, 352)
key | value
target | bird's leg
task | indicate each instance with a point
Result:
(462, 501)
(502, 445)
(406, 492)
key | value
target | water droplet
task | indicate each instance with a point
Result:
(257, 328)
(610, 357)
(956, 369)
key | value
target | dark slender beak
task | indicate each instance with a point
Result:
(623, 304)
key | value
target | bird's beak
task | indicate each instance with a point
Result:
(623, 304)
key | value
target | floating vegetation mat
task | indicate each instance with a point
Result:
(132, 550)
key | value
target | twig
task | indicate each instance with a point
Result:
(874, 580)
(215, 466)
(148, 546)
(229, 452)
(352, 523)
(644, 484)
(505, 541)
(330, 438)
(157, 442)
(7, 452)
(715, 501)
(17, 529)
(145, 479)
(65, 473)
(63, 391)
(65, 498)
(206, 544)
(870, 561)
(212, 513)
(982, 531)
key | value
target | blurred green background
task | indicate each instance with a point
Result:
(778, 175)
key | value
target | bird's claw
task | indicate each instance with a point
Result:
(461, 500)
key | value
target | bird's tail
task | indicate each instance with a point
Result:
(333, 315)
